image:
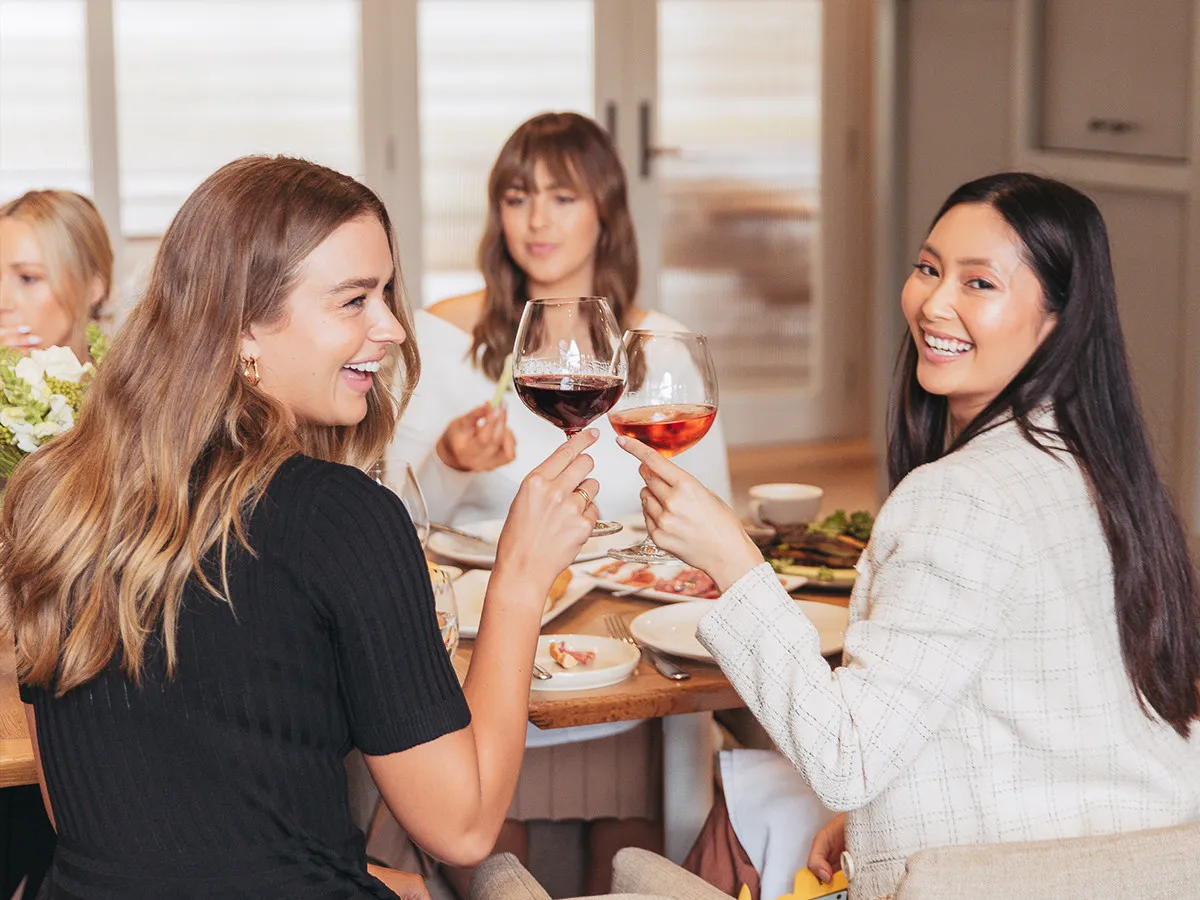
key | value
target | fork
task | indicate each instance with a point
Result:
(618, 628)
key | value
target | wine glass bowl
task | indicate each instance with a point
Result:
(445, 606)
(569, 365)
(669, 404)
(402, 482)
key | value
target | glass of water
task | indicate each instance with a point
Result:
(402, 482)
(445, 606)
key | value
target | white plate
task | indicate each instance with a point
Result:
(472, 554)
(616, 580)
(672, 629)
(613, 663)
(470, 589)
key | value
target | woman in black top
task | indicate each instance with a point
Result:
(212, 604)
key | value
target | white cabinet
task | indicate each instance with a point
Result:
(956, 119)
(1147, 235)
(1115, 76)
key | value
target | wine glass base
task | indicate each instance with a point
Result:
(646, 553)
(604, 529)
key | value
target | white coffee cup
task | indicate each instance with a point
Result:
(784, 504)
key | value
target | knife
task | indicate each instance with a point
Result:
(465, 535)
(666, 668)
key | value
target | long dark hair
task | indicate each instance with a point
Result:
(1081, 370)
(576, 151)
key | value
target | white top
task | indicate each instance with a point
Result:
(982, 696)
(451, 386)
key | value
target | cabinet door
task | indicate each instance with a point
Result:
(1115, 76)
(956, 127)
(1147, 234)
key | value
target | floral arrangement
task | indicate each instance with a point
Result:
(41, 395)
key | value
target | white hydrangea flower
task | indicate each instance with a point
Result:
(32, 373)
(13, 418)
(60, 363)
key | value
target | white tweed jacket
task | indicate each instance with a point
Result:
(982, 695)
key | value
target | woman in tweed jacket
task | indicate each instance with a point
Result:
(1024, 649)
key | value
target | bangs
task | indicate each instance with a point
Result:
(516, 170)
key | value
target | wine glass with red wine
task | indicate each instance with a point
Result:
(569, 365)
(669, 403)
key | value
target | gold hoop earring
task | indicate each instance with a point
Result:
(250, 370)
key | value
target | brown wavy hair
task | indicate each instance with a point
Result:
(74, 245)
(578, 152)
(104, 527)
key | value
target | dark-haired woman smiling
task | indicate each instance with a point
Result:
(1024, 649)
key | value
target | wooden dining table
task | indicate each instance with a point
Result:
(685, 708)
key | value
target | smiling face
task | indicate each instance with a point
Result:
(27, 299)
(974, 308)
(320, 361)
(551, 230)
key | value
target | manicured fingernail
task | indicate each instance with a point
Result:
(33, 339)
(621, 440)
(823, 876)
(23, 329)
(593, 432)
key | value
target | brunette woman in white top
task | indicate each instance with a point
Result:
(1024, 650)
(558, 225)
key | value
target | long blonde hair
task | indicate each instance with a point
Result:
(104, 527)
(74, 244)
(576, 151)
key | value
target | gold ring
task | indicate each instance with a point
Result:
(587, 498)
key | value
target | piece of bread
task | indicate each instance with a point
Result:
(558, 589)
(567, 658)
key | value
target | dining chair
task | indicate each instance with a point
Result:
(637, 875)
(1163, 863)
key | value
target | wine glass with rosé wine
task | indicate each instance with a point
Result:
(569, 365)
(669, 403)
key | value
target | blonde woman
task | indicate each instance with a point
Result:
(212, 604)
(56, 268)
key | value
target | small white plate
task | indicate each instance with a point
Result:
(477, 556)
(614, 575)
(672, 629)
(613, 663)
(469, 591)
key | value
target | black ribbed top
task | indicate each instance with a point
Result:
(227, 780)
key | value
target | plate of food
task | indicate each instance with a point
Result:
(579, 662)
(469, 591)
(482, 555)
(824, 552)
(667, 583)
(672, 629)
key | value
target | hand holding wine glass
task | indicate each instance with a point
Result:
(686, 519)
(669, 404)
(569, 365)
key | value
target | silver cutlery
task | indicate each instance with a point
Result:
(541, 674)
(618, 628)
(464, 535)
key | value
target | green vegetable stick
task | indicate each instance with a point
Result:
(502, 382)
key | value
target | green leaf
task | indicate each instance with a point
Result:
(97, 342)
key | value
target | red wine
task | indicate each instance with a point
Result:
(669, 429)
(569, 401)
